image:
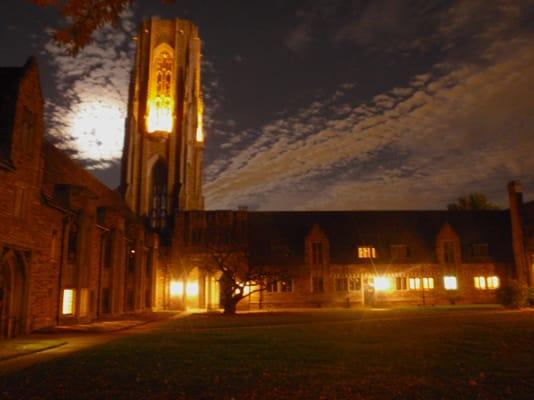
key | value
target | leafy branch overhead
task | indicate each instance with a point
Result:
(80, 18)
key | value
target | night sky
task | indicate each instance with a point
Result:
(382, 104)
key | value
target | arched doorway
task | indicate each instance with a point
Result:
(12, 294)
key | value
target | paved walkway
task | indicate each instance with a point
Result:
(62, 340)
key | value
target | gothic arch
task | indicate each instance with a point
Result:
(158, 199)
(13, 293)
(160, 113)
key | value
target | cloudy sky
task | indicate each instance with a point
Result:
(325, 104)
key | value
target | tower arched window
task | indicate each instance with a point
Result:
(158, 198)
(160, 104)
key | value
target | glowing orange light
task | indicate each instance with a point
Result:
(200, 132)
(159, 117)
(192, 289)
(176, 288)
(160, 103)
(382, 283)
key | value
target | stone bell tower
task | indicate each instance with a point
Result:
(164, 141)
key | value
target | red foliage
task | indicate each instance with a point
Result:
(82, 17)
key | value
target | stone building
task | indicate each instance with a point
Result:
(329, 258)
(70, 248)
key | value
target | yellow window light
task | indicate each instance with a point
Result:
(414, 283)
(200, 132)
(493, 282)
(450, 283)
(192, 289)
(428, 283)
(160, 103)
(67, 308)
(382, 283)
(176, 288)
(480, 282)
(159, 117)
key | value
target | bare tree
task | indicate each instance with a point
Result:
(237, 277)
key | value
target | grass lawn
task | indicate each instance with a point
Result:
(405, 353)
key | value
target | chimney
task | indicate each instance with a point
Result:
(515, 196)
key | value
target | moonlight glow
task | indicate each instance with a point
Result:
(97, 128)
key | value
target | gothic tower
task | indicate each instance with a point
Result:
(164, 141)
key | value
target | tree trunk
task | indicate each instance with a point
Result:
(230, 306)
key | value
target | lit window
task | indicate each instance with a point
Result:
(68, 302)
(450, 283)
(366, 252)
(200, 133)
(176, 288)
(493, 282)
(160, 103)
(415, 283)
(381, 283)
(480, 282)
(486, 282)
(428, 283)
(192, 289)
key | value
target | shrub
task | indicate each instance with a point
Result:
(512, 295)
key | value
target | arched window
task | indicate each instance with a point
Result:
(160, 102)
(158, 196)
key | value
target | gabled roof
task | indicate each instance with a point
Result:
(9, 87)
(348, 229)
(10, 78)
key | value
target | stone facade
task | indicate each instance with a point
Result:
(71, 250)
(346, 259)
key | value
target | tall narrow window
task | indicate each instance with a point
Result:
(158, 211)
(160, 102)
(72, 248)
(317, 253)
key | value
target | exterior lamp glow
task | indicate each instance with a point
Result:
(176, 288)
(450, 283)
(382, 283)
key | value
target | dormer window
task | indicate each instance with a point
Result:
(366, 252)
